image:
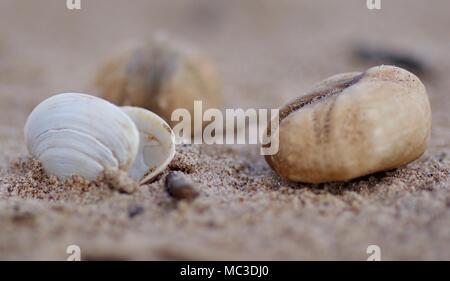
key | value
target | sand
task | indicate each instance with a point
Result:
(267, 52)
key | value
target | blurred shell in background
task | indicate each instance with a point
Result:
(161, 75)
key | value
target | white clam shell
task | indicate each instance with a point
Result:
(79, 134)
(156, 146)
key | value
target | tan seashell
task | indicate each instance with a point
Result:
(353, 124)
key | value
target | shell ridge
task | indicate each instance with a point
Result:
(99, 142)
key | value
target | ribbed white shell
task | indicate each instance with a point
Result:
(80, 134)
(156, 146)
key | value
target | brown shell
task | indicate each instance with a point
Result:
(352, 125)
(161, 76)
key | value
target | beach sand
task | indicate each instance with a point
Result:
(267, 52)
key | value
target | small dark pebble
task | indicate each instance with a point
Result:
(180, 186)
(22, 216)
(25, 217)
(374, 55)
(134, 211)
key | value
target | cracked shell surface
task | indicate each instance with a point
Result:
(353, 124)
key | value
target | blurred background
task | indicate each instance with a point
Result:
(272, 50)
(267, 52)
